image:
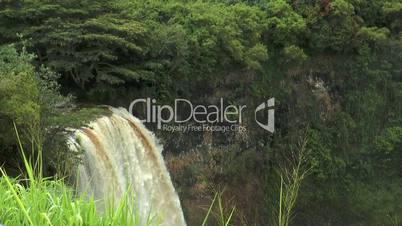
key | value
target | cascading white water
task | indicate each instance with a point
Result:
(119, 153)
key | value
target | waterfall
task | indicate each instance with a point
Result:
(119, 153)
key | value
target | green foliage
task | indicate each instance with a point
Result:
(374, 34)
(30, 98)
(102, 45)
(18, 90)
(284, 24)
(389, 142)
(294, 55)
(85, 41)
(77, 118)
(198, 40)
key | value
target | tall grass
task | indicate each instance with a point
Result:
(221, 219)
(42, 201)
(291, 178)
(51, 202)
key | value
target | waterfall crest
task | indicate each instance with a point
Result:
(119, 153)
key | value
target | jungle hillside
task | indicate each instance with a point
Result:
(334, 68)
